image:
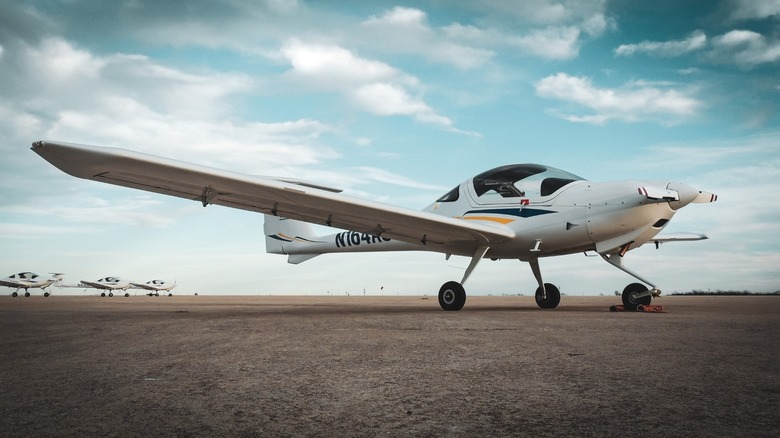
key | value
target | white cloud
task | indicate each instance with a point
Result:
(407, 17)
(135, 211)
(335, 66)
(630, 104)
(389, 100)
(384, 177)
(753, 9)
(597, 24)
(544, 12)
(372, 86)
(56, 62)
(131, 101)
(696, 41)
(551, 42)
(744, 48)
(405, 30)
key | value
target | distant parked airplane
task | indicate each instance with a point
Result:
(29, 280)
(155, 286)
(109, 284)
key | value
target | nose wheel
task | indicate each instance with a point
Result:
(636, 294)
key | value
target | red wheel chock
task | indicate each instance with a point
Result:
(647, 308)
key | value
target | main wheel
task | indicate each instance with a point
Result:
(27, 294)
(127, 294)
(15, 294)
(110, 294)
(630, 299)
(452, 296)
(102, 294)
(45, 294)
(551, 300)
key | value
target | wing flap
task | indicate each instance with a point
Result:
(288, 198)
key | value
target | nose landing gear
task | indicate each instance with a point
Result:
(635, 294)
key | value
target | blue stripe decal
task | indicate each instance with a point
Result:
(519, 212)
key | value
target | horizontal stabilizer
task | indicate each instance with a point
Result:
(679, 237)
(295, 259)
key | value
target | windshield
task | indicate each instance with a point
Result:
(521, 181)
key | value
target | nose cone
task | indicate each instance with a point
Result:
(689, 194)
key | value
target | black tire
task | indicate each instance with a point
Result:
(127, 294)
(110, 294)
(102, 294)
(552, 299)
(630, 301)
(452, 296)
(14, 294)
(27, 294)
(46, 294)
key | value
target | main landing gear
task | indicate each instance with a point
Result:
(27, 293)
(547, 295)
(111, 294)
(452, 296)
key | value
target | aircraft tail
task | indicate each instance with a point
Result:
(290, 237)
(299, 242)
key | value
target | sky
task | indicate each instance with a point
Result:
(395, 102)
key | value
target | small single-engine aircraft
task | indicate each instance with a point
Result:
(29, 280)
(109, 284)
(520, 211)
(155, 286)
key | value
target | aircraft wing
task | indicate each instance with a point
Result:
(679, 237)
(141, 286)
(93, 284)
(280, 197)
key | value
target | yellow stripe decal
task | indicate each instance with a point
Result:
(500, 220)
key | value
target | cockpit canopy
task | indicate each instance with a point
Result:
(522, 180)
(530, 181)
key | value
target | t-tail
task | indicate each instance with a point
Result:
(299, 241)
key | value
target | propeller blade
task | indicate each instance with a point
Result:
(705, 197)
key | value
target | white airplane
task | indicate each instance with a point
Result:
(109, 284)
(155, 286)
(29, 280)
(520, 211)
